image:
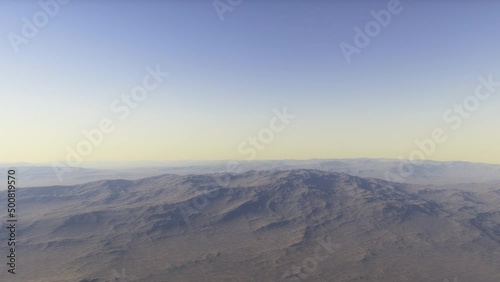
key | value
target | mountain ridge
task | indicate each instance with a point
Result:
(258, 225)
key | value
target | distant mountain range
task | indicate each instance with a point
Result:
(425, 172)
(265, 225)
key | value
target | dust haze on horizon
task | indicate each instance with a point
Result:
(250, 140)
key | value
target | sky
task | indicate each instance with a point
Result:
(231, 67)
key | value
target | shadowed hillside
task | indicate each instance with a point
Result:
(298, 225)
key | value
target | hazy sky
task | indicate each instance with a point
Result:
(227, 76)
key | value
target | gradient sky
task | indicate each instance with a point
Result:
(226, 77)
